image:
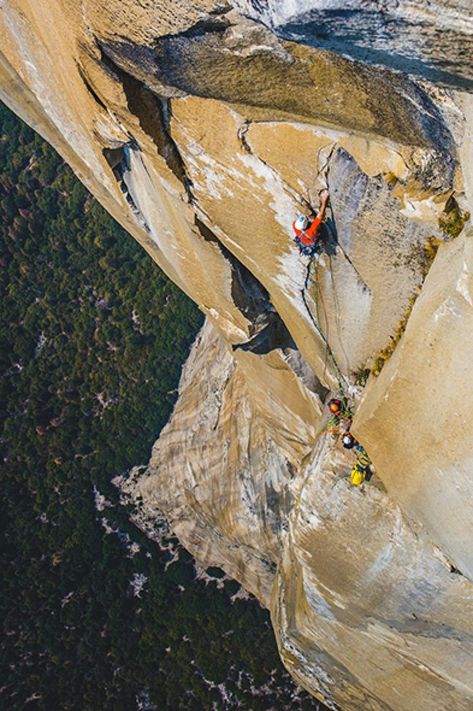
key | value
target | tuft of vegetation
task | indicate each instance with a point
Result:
(391, 179)
(95, 616)
(361, 376)
(386, 353)
(430, 249)
(453, 220)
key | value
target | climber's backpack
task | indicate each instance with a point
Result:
(357, 476)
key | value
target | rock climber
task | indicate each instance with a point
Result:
(306, 228)
(348, 441)
(340, 421)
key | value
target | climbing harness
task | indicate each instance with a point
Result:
(309, 244)
(362, 461)
(307, 250)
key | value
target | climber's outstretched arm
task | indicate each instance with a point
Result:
(323, 204)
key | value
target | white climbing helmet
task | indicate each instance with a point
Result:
(301, 223)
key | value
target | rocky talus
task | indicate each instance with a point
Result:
(205, 127)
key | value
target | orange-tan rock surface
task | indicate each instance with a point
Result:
(428, 467)
(205, 134)
(367, 611)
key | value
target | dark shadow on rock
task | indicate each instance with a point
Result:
(328, 237)
(413, 46)
(273, 335)
(267, 330)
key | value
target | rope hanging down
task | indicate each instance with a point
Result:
(328, 350)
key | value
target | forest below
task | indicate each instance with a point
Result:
(95, 615)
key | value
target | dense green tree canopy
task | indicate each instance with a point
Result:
(93, 336)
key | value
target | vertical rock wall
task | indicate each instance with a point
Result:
(427, 383)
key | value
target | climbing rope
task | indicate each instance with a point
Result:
(361, 470)
(319, 297)
(328, 350)
(337, 310)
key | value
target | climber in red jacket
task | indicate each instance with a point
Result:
(306, 228)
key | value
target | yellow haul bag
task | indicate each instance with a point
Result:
(357, 476)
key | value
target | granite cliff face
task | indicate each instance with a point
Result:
(205, 127)
(430, 39)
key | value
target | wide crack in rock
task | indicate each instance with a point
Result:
(364, 282)
(120, 163)
(267, 330)
(153, 113)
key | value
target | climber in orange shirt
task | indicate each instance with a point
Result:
(306, 228)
